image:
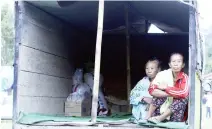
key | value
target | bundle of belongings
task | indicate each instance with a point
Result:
(82, 93)
(78, 103)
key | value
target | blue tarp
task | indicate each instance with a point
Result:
(84, 14)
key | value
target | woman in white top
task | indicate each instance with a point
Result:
(140, 97)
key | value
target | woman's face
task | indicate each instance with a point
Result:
(151, 69)
(176, 63)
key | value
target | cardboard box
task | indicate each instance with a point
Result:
(78, 108)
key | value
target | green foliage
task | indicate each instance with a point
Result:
(7, 31)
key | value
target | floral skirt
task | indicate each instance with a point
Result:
(177, 108)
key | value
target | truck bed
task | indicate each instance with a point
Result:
(123, 120)
(100, 126)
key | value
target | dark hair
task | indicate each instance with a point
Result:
(176, 53)
(154, 59)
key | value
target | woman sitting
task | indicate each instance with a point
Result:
(140, 97)
(170, 92)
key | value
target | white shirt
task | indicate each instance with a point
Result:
(140, 91)
(137, 93)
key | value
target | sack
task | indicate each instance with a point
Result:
(77, 79)
(82, 92)
(78, 76)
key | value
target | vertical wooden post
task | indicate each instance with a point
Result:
(97, 61)
(195, 91)
(19, 8)
(128, 53)
(146, 26)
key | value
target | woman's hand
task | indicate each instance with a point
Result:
(162, 86)
(147, 100)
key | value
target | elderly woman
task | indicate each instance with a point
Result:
(139, 96)
(170, 92)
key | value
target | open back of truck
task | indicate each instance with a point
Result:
(52, 41)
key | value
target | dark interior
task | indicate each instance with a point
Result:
(143, 47)
(170, 16)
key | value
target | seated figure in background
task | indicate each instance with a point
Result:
(89, 80)
(139, 96)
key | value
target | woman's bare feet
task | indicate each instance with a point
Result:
(156, 119)
(147, 117)
(153, 120)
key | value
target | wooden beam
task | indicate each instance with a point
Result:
(146, 26)
(128, 53)
(194, 82)
(97, 61)
(18, 39)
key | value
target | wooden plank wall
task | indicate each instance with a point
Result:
(44, 76)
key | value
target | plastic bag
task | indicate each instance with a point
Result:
(75, 97)
(83, 89)
(77, 78)
(82, 92)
